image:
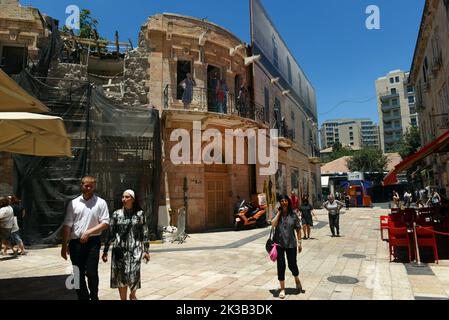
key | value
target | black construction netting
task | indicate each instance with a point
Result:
(119, 146)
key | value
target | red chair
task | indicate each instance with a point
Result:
(384, 220)
(426, 238)
(398, 237)
(409, 215)
(397, 219)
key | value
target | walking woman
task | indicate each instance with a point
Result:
(288, 237)
(306, 214)
(333, 207)
(129, 232)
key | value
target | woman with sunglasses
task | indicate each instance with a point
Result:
(288, 237)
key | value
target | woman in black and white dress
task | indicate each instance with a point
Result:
(129, 233)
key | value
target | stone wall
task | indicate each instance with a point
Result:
(6, 174)
(68, 71)
(136, 72)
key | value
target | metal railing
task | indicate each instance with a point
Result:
(207, 100)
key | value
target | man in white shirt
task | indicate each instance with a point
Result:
(87, 217)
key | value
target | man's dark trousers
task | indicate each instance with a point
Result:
(86, 258)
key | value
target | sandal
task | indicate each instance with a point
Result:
(282, 294)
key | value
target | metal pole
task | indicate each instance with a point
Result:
(417, 263)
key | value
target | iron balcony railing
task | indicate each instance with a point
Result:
(207, 100)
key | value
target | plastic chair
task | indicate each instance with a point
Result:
(383, 226)
(426, 238)
(397, 219)
(409, 215)
(398, 237)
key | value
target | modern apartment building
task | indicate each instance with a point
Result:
(396, 107)
(349, 132)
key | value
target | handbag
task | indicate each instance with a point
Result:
(270, 242)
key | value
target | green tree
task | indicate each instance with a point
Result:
(88, 25)
(369, 160)
(411, 142)
(338, 151)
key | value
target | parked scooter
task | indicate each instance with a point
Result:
(250, 216)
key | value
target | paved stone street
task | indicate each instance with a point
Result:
(234, 266)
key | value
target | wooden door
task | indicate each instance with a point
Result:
(216, 208)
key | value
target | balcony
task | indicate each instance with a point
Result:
(387, 107)
(391, 117)
(391, 140)
(392, 129)
(204, 104)
(387, 96)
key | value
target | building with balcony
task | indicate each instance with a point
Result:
(222, 99)
(354, 133)
(430, 77)
(396, 108)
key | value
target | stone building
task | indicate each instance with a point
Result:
(430, 76)
(170, 47)
(21, 31)
(181, 45)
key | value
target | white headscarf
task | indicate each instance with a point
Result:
(131, 193)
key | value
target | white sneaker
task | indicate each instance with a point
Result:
(282, 294)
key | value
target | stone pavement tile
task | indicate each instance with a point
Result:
(151, 297)
(427, 286)
(180, 294)
(442, 272)
(202, 293)
(402, 294)
(362, 291)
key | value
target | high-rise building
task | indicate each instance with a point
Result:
(349, 132)
(396, 107)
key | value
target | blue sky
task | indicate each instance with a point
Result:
(340, 56)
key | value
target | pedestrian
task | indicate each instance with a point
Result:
(396, 199)
(129, 233)
(220, 92)
(347, 201)
(19, 210)
(187, 84)
(295, 202)
(407, 199)
(19, 214)
(423, 198)
(333, 207)
(87, 217)
(434, 199)
(306, 215)
(6, 223)
(242, 101)
(285, 224)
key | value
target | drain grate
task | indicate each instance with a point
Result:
(354, 256)
(343, 280)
